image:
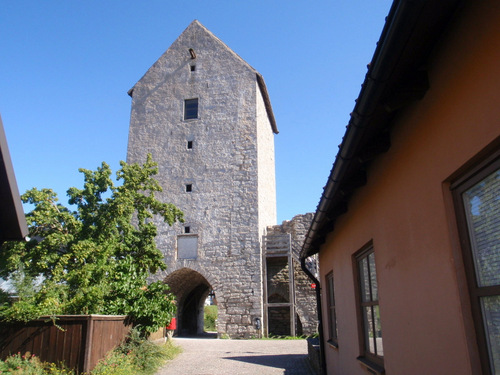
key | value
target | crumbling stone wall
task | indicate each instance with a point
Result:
(305, 296)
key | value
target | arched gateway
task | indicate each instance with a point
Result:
(191, 290)
(205, 116)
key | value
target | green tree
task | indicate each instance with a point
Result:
(96, 259)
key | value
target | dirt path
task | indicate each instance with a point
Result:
(218, 357)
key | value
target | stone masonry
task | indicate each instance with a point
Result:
(205, 116)
(304, 294)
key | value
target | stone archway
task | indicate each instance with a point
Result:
(191, 289)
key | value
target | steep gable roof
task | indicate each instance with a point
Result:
(196, 28)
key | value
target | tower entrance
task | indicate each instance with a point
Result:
(191, 290)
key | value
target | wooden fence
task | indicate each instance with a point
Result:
(79, 341)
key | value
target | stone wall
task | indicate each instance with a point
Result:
(305, 296)
(229, 167)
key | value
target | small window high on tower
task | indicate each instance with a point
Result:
(190, 109)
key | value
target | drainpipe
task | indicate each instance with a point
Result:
(320, 315)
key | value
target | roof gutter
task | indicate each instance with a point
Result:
(320, 315)
(267, 102)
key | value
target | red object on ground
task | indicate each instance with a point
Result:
(172, 325)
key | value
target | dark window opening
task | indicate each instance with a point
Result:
(189, 145)
(190, 109)
(193, 68)
(189, 188)
(187, 230)
(332, 317)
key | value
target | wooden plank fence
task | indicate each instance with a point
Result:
(80, 341)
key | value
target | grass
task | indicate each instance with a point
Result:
(136, 356)
(210, 317)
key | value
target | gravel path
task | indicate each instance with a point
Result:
(218, 357)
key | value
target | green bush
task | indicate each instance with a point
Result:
(210, 318)
(30, 365)
(95, 256)
(136, 356)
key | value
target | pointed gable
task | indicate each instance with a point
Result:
(196, 43)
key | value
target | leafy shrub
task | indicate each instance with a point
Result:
(136, 356)
(18, 364)
(97, 258)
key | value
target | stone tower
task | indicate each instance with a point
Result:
(205, 116)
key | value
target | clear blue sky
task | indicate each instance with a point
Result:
(66, 67)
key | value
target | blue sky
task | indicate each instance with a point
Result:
(66, 68)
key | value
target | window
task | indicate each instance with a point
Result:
(190, 109)
(477, 201)
(372, 350)
(187, 246)
(189, 145)
(189, 188)
(187, 229)
(192, 67)
(332, 317)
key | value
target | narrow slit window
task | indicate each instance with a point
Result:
(189, 188)
(190, 109)
(189, 145)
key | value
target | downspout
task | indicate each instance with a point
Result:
(320, 315)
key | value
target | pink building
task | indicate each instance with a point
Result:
(408, 227)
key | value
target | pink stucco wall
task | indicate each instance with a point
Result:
(406, 210)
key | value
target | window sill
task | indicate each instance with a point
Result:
(333, 344)
(372, 367)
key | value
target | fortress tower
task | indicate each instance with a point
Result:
(205, 116)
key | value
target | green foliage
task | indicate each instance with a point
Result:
(31, 365)
(96, 259)
(136, 356)
(210, 317)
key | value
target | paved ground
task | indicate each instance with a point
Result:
(202, 356)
